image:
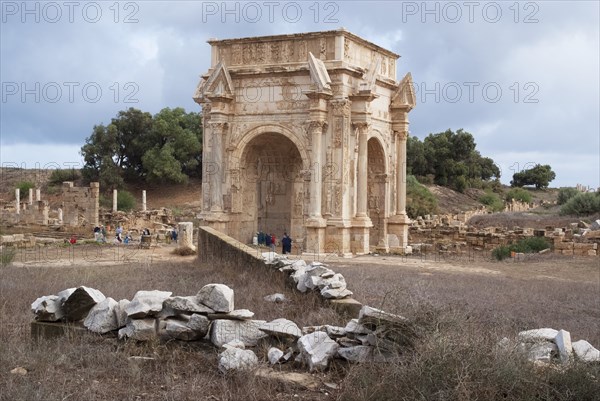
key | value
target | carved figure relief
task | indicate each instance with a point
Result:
(303, 52)
(337, 132)
(346, 49)
(275, 52)
(322, 48)
(236, 57)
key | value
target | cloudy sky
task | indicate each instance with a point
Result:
(522, 77)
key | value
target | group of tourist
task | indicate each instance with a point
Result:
(100, 233)
(269, 240)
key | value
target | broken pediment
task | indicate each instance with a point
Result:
(404, 95)
(318, 74)
(218, 84)
(370, 76)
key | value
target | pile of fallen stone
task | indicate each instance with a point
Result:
(549, 346)
(210, 316)
(314, 276)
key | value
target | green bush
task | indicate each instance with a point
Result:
(61, 175)
(125, 201)
(492, 201)
(564, 194)
(7, 255)
(500, 253)
(519, 194)
(25, 186)
(525, 245)
(419, 200)
(582, 204)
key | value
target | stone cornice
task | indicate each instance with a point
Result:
(307, 35)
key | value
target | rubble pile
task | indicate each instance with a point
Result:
(210, 316)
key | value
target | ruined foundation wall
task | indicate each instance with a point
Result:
(81, 205)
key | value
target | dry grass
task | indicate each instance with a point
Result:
(460, 317)
(97, 367)
(562, 293)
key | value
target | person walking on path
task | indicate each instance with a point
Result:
(286, 244)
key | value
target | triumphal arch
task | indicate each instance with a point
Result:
(306, 134)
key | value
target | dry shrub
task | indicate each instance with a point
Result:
(183, 251)
(455, 360)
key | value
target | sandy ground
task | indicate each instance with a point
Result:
(97, 255)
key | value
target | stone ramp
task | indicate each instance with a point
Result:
(215, 246)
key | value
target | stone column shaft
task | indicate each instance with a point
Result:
(144, 200)
(114, 208)
(401, 138)
(216, 196)
(38, 196)
(314, 208)
(18, 200)
(362, 167)
(30, 200)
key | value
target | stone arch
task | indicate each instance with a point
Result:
(377, 188)
(252, 133)
(375, 134)
(270, 163)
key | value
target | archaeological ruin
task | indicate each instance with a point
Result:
(306, 134)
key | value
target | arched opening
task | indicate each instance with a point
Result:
(376, 190)
(272, 187)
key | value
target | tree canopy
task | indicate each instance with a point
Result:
(164, 148)
(539, 175)
(450, 159)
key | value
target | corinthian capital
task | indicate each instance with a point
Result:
(218, 127)
(361, 127)
(401, 135)
(314, 125)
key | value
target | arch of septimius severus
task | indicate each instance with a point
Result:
(306, 133)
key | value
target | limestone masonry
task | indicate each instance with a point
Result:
(306, 134)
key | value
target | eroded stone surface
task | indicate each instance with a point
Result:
(274, 355)
(47, 308)
(565, 348)
(585, 351)
(146, 303)
(545, 334)
(218, 297)
(237, 359)
(102, 317)
(139, 329)
(359, 353)
(186, 304)
(224, 331)
(79, 302)
(282, 328)
(316, 349)
(121, 313)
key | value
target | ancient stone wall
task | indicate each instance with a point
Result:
(80, 205)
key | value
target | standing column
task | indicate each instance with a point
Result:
(18, 200)
(361, 181)
(38, 196)
(401, 138)
(216, 195)
(314, 208)
(144, 200)
(30, 200)
(114, 200)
